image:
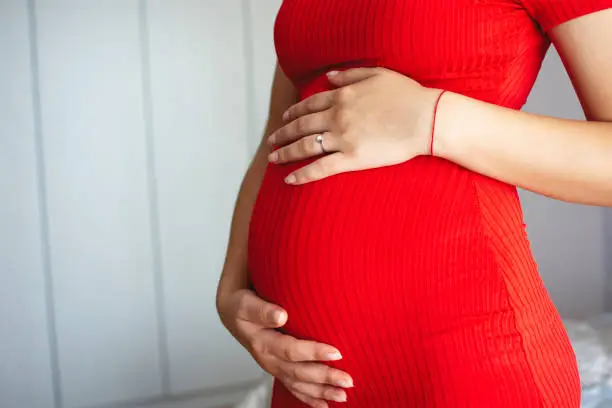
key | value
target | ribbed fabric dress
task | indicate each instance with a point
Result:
(421, 274)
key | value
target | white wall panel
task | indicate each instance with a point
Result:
(25, 366)
(263, 59)
(94, 139)
(199, 126)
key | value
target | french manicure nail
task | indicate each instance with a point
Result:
(340, 397)
(333, 356)
(332, 73)
(290, 179)
(278, 317)
(273, 157)
(345, 383)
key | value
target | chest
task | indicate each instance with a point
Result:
(424, 39)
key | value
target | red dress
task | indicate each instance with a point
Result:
(421, 274)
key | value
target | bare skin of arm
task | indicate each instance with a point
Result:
(569, 160)
(250, 319)
(375, 117)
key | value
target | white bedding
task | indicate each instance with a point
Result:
(592, 341)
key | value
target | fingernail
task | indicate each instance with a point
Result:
(345, 383)
(272, 138)
(339, 397)
(286, 115)
(290, 179)
(333, 356)
(332, 73)
(273, 157)
(279, 317)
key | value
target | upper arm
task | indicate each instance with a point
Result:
(581, 31)
(283, 95)
(584, 45)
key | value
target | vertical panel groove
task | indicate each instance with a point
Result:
(42, 209)
(249, 59)
(160, 300)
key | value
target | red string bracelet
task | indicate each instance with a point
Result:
(433, 126)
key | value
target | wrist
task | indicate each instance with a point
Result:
(427, 120)
(226, 288)
(220, 298)
(451, 119)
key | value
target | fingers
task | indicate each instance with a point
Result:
(315, 114)
(295, 362)
(310, 401)
(314, 373)
(315, 103)
(300, 127)
(324, 100)
(256, 310)
(320, 392)
(306, 147)
(352, 75)
(314, 383)
(289, 348)
(324, 167)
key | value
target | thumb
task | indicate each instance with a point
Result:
(351, 76)
(255, 310)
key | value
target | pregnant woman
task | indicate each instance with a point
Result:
(378, 256)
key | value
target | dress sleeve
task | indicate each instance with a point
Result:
(551, 13)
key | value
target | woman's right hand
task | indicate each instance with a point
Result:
(296, 363)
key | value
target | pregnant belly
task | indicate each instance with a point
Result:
(390, 265)
(400, 236)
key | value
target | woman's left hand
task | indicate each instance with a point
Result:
(374, 117)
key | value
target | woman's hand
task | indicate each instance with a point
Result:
(375, 117)
(252, 321)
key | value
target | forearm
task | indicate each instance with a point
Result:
(235, 272)
(565, 159)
